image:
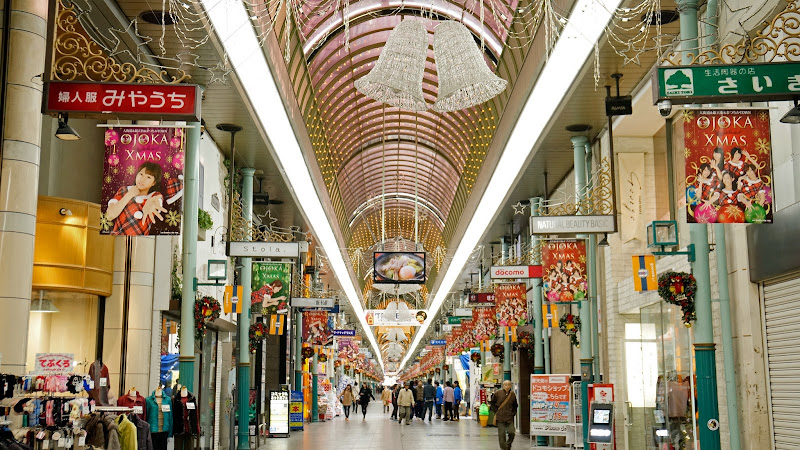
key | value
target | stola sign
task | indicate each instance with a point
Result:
(514, 272)
(135, 101)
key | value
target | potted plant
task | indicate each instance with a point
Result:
(204, 223)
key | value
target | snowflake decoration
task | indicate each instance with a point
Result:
(166, 175)
(687, 134)
(107, 179)
(763, 116)
(582, 259)
(169, 158)
(173, 218)
(519, 208)
(762, 145)
(687, 152)
(105, 224)
(130, 169)
(115, 171)
(756, 133)
(688, 116)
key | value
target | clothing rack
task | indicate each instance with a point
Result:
(113, 409)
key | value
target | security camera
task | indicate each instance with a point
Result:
(665, 107)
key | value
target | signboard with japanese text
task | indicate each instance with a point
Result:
(271, 286)
(53, 362)
(550, 405)
(728, 166)
(564, 263)
(123, 101)
(312, 302)
(511, 304)
(296, 411)
(142, 193)
(438, 342)
(315, 328)
(344, 333)
(727, 83)
(400, 318)
(279, 411)
(481, 299)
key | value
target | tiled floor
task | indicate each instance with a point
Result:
(379, 432)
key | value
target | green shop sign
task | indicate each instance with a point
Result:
(456, 320)
(727, 83)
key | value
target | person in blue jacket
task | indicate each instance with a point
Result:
(439, 400)
(457, 403)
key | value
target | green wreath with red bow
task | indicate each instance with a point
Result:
(475, 357)
(679, 288)
(307, 352)
(206, 309)
(570, 324)
(498, 351)
(258, 331)
(525, 341)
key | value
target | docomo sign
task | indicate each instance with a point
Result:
(98, 100)
(53, 362)
(514, 272)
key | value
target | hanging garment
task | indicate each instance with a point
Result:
(137, 403)
(127, 433)
(159, 416)
(99, 374)
(144, 440)
(184, 415)
(112, 435)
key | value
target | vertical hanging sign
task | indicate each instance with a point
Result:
(728, 166)
(142, 181)
(271, 286)
(564, 265)
(511, 304)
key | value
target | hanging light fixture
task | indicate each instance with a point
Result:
(43, 305)
(464, 78)
(64, 131)
(396, 78)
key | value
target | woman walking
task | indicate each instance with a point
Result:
(449, 397)
(386, 396)
(364, 396)
(395, 393)
(346, 397)
(457, 400)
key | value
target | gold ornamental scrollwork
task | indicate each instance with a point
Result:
(779, 41)
(598, 200)
(247, 231)
(76, 57)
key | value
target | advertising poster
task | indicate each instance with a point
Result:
(400, 318)
(511, 304)
(296, 411)
(315, 327)
(484, 323)
(728, 166)
(550, 404)
(271, 287)
(564, 264)
(142, 191)
(279, 412)
(399, 267)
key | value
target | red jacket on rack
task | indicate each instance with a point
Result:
(138, 404)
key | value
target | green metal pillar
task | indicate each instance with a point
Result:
(579, 154)
(592, 269)
(727, 335)
(538, 317)
(243, 325)
(506, 355)
(314, 383)
(298, 350)
(191, 191)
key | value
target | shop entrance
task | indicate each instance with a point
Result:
(660, 381)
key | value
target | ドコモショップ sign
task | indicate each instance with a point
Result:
(514, 272)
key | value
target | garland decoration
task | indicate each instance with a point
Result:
(307, 352)
(526, 342)
(679, 288)
(475, 357)
(570, 324)
(206, 309)
(258, 331)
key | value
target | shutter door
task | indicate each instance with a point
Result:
(781, 303)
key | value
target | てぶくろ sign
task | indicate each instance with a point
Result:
(564, 263)
(728, 166)
(53, 362)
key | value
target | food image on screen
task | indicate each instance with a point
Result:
(602, 416)
(399, 267)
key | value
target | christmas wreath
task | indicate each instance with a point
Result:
(206, 309)
(475, 357)
(438, 370)
(525, 342)
(323, 358)
(307, 352)
(498, 350)
(679, 288)
(258, 331)
(570, 324)
(446, 367)
(337, 363)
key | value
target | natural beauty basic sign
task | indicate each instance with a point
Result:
(142, 181)
(564, 264)
(728, 166)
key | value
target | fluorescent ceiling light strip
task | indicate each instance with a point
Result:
(235, 31)
(583, 29)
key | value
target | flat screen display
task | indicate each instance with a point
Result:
(602, 416)
(399, 267)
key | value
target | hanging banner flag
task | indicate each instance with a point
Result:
(315, 327)
(644, 273)
(277, 323)
(228, 299)
(142, 181)
(511, 304)
(549, 315)
(484, 323)
(271, 286)
(564, 263)
(728, 169)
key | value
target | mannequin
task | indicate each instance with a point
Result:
(134, 401)
(159, 409)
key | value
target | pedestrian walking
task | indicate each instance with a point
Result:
(386, 396)
(420, 397)
(364, 395)
(347, 398)
(457, 400)
(449, 398)
(355, 404)
(405, 401)
(439, 400)
(395, 393)
(504, 405)
(429, 395)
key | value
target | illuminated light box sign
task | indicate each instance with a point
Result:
(279, 412)
(407, 318)
(122, 100)
(514, 272)
(313, 302)
(572, 224)
(399, 267)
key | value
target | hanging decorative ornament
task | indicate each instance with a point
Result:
(464, 78)
(396, 78)
(679, 288)
(705, 213)
(755, 214)
(570, 324)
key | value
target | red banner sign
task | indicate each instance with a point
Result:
(511, 304)
(728, 170)
(137, 101)
(486, 298)
(564, 263)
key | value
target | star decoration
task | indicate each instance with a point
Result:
(519, 208)
(631, 59)
(173, 218)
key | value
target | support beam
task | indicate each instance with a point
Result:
(243, 326)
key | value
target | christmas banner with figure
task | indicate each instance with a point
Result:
(142, 191)
(484, 323)
(728, 166)
(511, 304)
(564, 270)
(271, 287)
(315, 328)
